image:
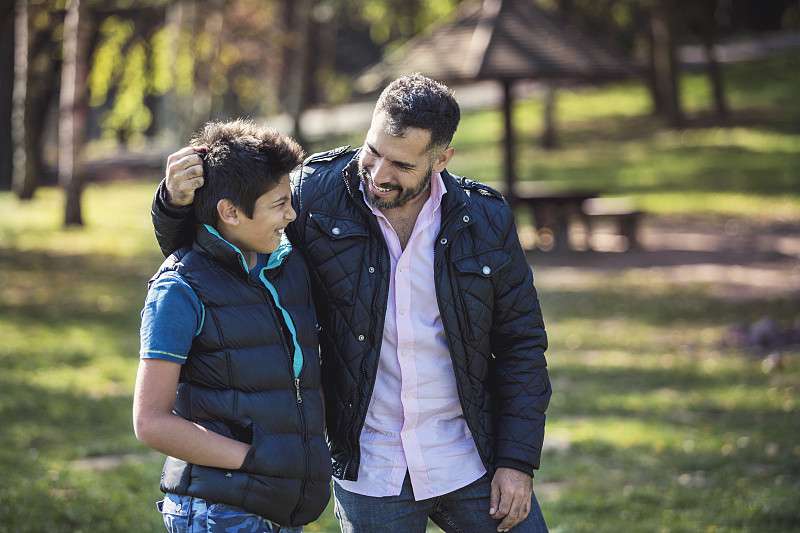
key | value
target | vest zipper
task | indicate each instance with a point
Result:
(306, 448)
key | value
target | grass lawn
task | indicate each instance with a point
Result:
(653, 425)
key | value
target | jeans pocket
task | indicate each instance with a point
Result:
(232, 518)
(175, 511)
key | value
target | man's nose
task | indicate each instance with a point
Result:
(379, 170)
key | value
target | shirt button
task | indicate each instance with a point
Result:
(336, 231)
(402, 312)
(487, 270)
(405, 353)
(408, 395)
(400, 268)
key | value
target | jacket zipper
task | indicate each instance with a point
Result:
(444, 325)
(349, 440)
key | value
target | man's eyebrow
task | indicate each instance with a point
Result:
(401, 164)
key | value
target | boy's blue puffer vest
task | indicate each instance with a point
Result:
(239, 378)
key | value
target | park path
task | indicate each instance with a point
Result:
(736, 261)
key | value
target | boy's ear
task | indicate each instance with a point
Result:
(227, 212)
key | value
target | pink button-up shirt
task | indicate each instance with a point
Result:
(415, 422)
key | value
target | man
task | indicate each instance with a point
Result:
(432, 338)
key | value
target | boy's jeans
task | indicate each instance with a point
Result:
(185, 514)
(463, 510)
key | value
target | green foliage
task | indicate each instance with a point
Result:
(106, 67)
(398, 19)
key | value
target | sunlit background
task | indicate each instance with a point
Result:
(673, 349)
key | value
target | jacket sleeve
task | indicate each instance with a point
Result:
(174, 226)
(518, 343)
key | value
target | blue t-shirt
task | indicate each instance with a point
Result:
(173, 316)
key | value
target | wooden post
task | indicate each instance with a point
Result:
(510, 176)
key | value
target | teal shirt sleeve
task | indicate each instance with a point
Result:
(172, 317)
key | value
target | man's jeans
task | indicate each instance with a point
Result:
(462, 511)
(185, 514)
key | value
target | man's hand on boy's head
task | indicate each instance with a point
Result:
(184, 176)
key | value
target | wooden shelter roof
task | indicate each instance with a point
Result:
(503, 40)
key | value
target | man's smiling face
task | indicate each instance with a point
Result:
(395, 170)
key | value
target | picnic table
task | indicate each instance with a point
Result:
(553, 208)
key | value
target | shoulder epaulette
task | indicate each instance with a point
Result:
(481, 188)
(330, 155)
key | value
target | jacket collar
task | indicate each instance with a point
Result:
(212, 243)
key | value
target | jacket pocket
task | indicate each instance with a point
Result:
(476, 277)
(337, 249)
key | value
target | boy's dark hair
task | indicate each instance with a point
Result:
(242, 161)
(417, 101)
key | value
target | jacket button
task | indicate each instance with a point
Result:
(336, 231)
(466, 218)
(443, 241)
(361, 337)
(371, 270)
(487, 270)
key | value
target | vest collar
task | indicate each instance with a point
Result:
(214, 244)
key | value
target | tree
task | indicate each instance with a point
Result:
(36, 74)
(22, 181)
(665, 63)
(73, 110)
(6, 95)
(710, 12)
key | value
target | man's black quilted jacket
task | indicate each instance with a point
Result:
(487, 301)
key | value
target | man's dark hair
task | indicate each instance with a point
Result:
(242, 161)
(416, 101)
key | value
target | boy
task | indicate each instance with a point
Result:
(229, 374)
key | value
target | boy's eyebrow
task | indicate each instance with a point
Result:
(282, 199)
(402, 164)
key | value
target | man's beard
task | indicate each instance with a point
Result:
(403, 195)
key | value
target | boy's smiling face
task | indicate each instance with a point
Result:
(261, 234)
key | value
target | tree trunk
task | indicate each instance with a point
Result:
(184, 16)
(24, 182)
(73, 111)
(549, 138)
(213, 22)
(652, 84)
(297, 71)
(712, 65)
(665, 64)
(6, 96)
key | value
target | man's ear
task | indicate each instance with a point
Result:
(443, 159)
(227, 212)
